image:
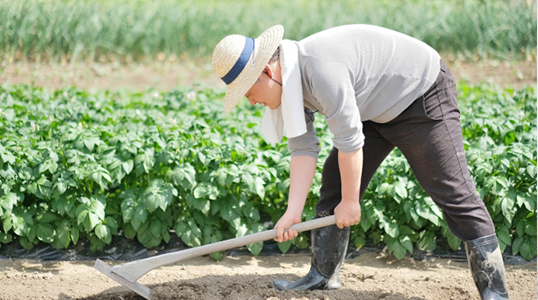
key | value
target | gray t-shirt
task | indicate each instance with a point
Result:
(358, 73)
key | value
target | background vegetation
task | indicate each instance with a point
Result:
(54, 30)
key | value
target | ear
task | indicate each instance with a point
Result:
(269, 71)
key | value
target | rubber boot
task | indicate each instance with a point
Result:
(487, 267)
(329, 246)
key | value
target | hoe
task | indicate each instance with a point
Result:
(128, 273)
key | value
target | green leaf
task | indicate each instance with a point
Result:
(359, 242)
(97, 206)
(9, 200)
(25, 243)
(135, 223)
(529, 201)
(259, 187)
(19, 225)
(531, 170)
(7, 157)
(82, 213)
(75, 234)
(168, 192)
(91, 221)
(423, 211)
(62, 239)
(64, 204)
(453, 241)
(527, 250)
(400, 189)
(406, 230)
(111, 222)
(405, 241)
(365, 224)
(520, 228)
(5, 238)
(152, 202)
(155, 228)
(284, 246)
(392, 229)
(31, 234)
(144, 235)
(202, 204)
(504, 235)
(426, 241)
(384, 188)
(45, 232)
(250, 212)
(166, 235)
(129, 231)
(247, 179)
(395, 247)
(202, 157)
(508, 208)
(530, 227)
(103, 232)
(128, 166)
(141, 214)
(46, 217)
(221, 177)
(516, 245)
(201, 191)
(127, 209)
(255, 248)
(301, 242)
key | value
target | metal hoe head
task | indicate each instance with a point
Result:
(136, 287)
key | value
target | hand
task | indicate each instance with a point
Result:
(284, 223)
(347, 213)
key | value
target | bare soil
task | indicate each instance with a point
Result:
(166, 76)
(369, 276)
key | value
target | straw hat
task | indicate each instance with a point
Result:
(239, 60)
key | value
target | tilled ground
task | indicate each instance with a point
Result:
(367, 277)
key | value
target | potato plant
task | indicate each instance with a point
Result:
(78, 165)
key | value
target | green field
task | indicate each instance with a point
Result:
(54, 30)
(77, 165)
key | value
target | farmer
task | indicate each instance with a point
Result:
(377, 89)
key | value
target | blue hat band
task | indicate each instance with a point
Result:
(241, 62)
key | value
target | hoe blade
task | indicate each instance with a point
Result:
(136, 287)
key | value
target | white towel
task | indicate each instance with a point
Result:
(289, 116)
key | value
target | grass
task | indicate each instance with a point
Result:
(54, 30)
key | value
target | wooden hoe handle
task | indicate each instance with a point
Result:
(131, 271)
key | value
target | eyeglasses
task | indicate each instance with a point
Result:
(272, 78)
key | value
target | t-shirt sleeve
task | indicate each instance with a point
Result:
(332, 87)
(308, 143)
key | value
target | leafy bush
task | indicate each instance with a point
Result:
(78, 165)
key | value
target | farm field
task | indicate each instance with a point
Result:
(114, 145)
(368, 275)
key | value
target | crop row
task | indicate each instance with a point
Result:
(77, 165)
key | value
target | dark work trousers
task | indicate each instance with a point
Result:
(428, 133)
